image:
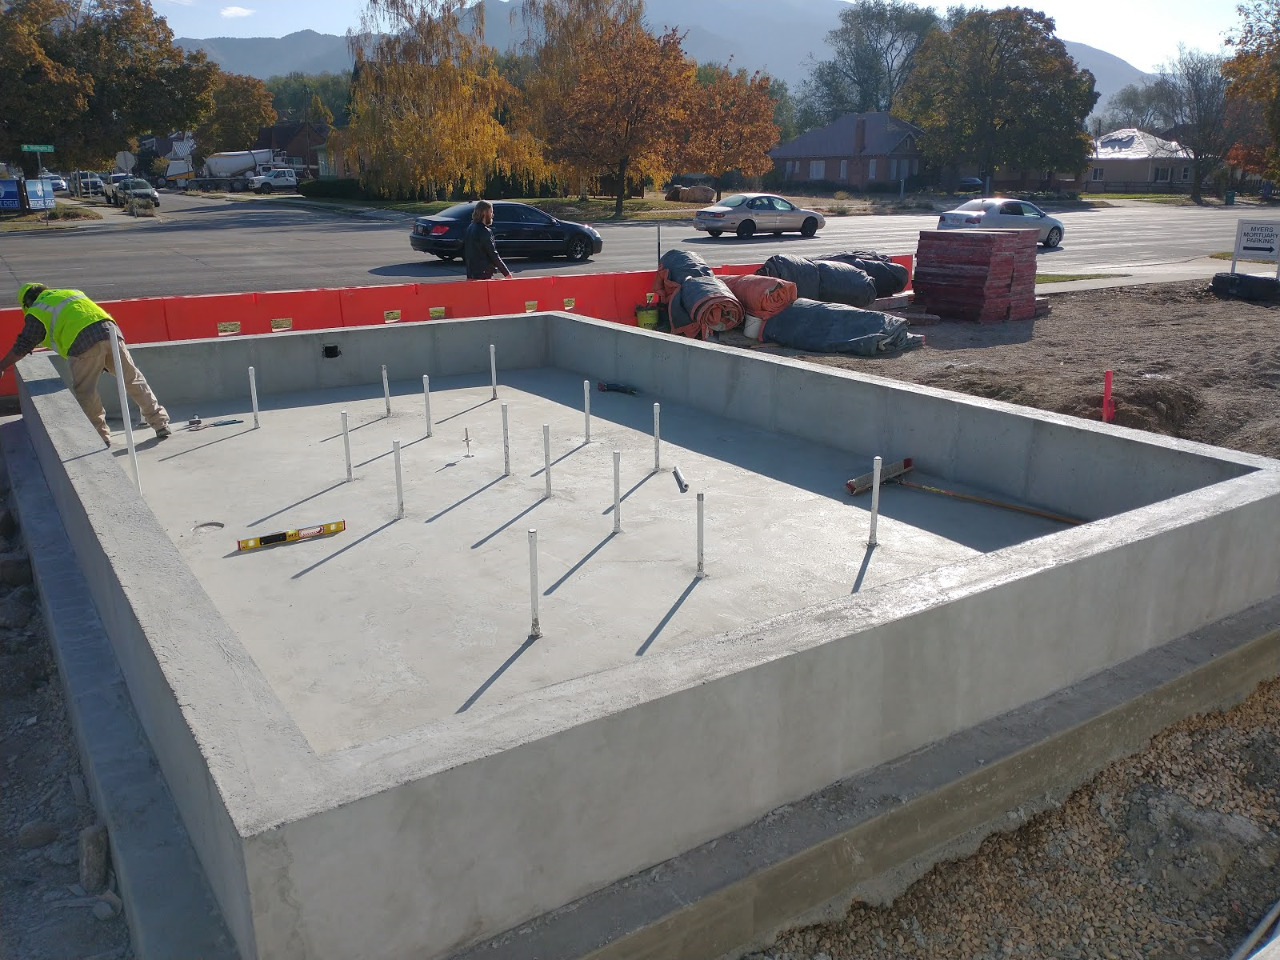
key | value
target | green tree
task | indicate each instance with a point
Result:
(999, 89)
(1135, 106)
(292, 95)
(875, 48)
(428, 102)
(785, 109)
(1191, 95)
(241, 107)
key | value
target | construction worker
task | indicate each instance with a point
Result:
(80, 330)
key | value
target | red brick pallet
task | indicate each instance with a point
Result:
(983, 276)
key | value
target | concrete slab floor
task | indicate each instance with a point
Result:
(394, 623)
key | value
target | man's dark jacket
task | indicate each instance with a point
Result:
(479, 253)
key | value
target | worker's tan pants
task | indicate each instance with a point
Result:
(85, 371)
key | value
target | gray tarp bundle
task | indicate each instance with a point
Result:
(706, 302)
(836, 328)
(890, 278)
(827, 280)
(681, 265)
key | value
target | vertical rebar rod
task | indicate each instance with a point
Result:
(426, 400)
(535, 630)
(546, 455)
(124, 406)
(701, 513)
(386, 389)
(586, 408)
(617, 487)
(346, 443)
(395, 450)
(506, 444)
(657, 438)
(493, 369)
(875, 499)
(253, 396)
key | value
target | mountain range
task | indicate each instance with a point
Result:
(781, 37)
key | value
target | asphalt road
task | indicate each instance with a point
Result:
(207, 245)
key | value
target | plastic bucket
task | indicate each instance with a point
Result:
(647, 317)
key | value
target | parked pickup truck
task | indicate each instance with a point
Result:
(274, 180)
(109, 185)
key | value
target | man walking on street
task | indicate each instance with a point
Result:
(80, 330)
(478, 250)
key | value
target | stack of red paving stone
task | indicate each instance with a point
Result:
(987, 276)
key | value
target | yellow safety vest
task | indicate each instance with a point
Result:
(65, 314)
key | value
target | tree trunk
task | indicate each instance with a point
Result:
(1196, 176)
(719, 188)
(622, 188)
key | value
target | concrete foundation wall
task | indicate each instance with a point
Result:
(714, 739)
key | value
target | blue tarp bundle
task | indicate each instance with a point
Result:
(837, 328)
(681, 265)
(703, 304)
(832, 281)
(890, 278)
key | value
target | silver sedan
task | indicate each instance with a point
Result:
(749, 213)
(1000, 213)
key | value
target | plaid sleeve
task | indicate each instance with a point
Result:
(31, 336)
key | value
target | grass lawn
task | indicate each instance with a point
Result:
(63, 215)
(1067, 277)
(1227, 254)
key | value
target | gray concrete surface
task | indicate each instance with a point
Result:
(398, 842)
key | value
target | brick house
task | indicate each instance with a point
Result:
(858, 149)
(1130, 159)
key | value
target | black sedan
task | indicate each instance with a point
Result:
(519, 230)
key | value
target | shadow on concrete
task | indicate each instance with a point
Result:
(636, 486)
(523, 513)
(493, 677)
(298, 503)
(358, 426)
(862, 570)
(578, 566)
(662, 624)
(337, 553)
(563, 456)
(182, 453)
(474, 406)
(475, 493)
(388, 452)
(756, 239)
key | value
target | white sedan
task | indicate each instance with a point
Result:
(1000, 213)
(749, 213)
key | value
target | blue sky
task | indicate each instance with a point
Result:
(1144, 34)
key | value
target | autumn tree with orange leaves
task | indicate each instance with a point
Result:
(429, 109)
(730, 125)
(1254, 70)
(627, 112)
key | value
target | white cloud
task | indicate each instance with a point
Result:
(236, 12)
(181, 3)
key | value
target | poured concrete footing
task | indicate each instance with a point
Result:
(372, 760)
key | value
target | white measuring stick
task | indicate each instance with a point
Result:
(701, 572)
(386, 389)
(657, 439)
(546, 455)
(253, 396)
(535, 630)
(586, 408)
(875, 499)
(426, 399)
(395, 450)
(124, 406)
(346, 443)
(493, 369)
(617, 486)
(506, 444)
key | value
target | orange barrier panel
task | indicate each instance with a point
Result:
(523, 295)
(10, 326)
(280, 310)
(195, 318)
(630, 290)
(397, 303)
(908, 261)
(735, 269)
(587, 295)
(456, 298)
(142, 320)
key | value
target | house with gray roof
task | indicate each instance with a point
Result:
(1131, 159)
(858, 149)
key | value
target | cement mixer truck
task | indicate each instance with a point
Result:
(231, 171)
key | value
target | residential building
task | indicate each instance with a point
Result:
(297, 141)
(858, 150)
(1133, 160)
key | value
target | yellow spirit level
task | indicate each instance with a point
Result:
(289, 536)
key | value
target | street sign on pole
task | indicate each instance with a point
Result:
(37, 148)
(1257, 240)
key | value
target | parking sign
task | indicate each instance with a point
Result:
(1257, 240)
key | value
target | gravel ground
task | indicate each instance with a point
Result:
(1174, 852)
